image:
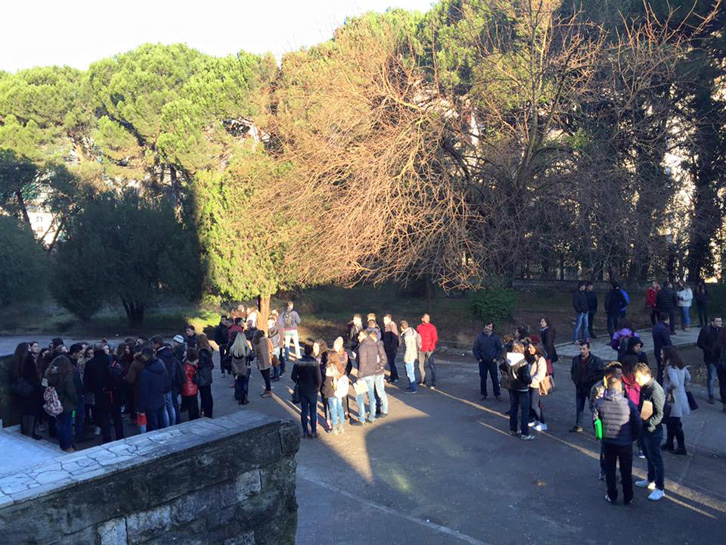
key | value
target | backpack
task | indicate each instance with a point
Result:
(622, 347)
(341, 387)
(287, 320)
(52, 404)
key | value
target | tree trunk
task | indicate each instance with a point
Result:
(429, 294)
(23, 208)
(134, 312)
(263, 304)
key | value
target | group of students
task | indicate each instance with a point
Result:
(68, 389)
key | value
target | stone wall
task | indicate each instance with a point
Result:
(229, 480)
(8, 414)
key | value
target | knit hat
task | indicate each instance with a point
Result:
(178, 339)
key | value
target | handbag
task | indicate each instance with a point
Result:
(141, 419)
(296, 395)
(546, 385)
(691, 401)
(22, 388)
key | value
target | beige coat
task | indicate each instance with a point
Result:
(263, 353)
(538, 372)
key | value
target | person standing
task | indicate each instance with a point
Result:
(652, 403)
(290, 320)
(391, 340)
(666, 302)
(60, 377)
(518, 370)
(677, 378)
(591, 296)
(721, 366)
(221, 337)
(30, 395)
(661, 339)
(579, 303)
(614, 306)
(411, 342)
(685, 300)
(621, 427)
(487, 348)
(175, 372)
(585, 371)
(190, 336)
(154, 384)
(239, 356)
(276, 340)
(701, 298)
(548, 335)
(189, 390)
(97, 379)
(538, 371)
(429, 338)
(651, 295)
(707, 338)
(306, 375)
(263, 353)
(206, 366)
(371, 366)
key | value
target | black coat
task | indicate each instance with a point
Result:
(591, 297)
(153, 384)
(579, 301)
(661, 338)
(173, 366)
(593, 372)
(666, 300)
(487, 347)
(306, 374)
(97, 377)
(614, 302)
(707, 342)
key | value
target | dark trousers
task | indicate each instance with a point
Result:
(155, 419)
(590, 322)
(613, 324)
(721, 383)
(490, 368)
(623, 454)
(64, 427)
(675, 432)
(650, 444)
(266, 376)
(391, 357)
(702, 314)
(426, 359)
(80, 418)
(535, 404)
(191, 405)
(242, 385)
(109, 412)
(520, 401)
(653, 316)
(581, 397)
(309, 410)
(205, 393)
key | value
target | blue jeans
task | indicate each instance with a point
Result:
(242, 385)
(375, 386)
(650, 443)
(685, 316)
(581, 323)
(520, 400)
(309, 409)
(156, 420)
(64, 429)
(411, 375)
(292, 335)
(581, 398)
(170, 417)
(335, 406)
(711, 375)
(81, 417)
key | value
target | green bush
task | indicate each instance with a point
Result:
(495, 304)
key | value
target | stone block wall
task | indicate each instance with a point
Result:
(229, 480)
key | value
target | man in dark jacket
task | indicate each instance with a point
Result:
(371, 365)
(487, 348)
(585, 371)
(97, 379)
(707, 342)
(391, 341)
(308, 378)
(652, 403)
(579, 303)
(153, 385)
(621, 426)
(177, 377)
(666, 302)
(661, 339)
(614, 305)
(221, 337)
(591, 296)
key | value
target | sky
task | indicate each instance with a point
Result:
(79, 32)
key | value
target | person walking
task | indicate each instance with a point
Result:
(579, 303)
(538, 371)
(371, 366)
(429, 339)
(621, 424)
(487, 348)
(290, 320)
(685, 300)
(240, 356)
(411, 343)
(652, 403)
(614, 305)
(677, 378)
(661, 339)
(585, 371)
(263, 353)
(707, 338)
(666, 302)
(518, 370)
(306, 375)
(651, 295)
(701, 297)
(60, 377)
(189, 390)
(154, 384)
(591, 296)
(391, 341)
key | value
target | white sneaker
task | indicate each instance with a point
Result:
(656, 495)
(645, 484)
(540, 427)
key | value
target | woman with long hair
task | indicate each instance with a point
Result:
(206, 365)
(538, 370)
(239, 354)
(190, 388)
(339, 348)
(27, 389)
(674, 385)
(320, 353)
(60, 377)
(548, 335)
(335, 387)
(262, 346)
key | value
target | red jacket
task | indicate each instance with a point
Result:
(650, 296)
(429, 337)
(189, 388)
